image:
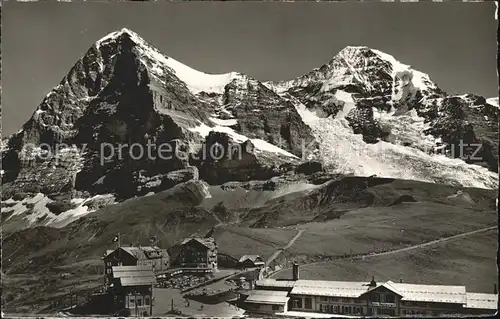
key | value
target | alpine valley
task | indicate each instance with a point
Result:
(363, 131)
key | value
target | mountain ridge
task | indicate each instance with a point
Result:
(362, 113)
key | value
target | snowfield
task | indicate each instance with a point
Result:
(35, 212)
(259, 144)
(344, 152)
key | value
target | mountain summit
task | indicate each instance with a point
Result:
(362, 113)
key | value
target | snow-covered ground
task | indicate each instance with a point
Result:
(35, 212)
(342, 151)
(407, 127)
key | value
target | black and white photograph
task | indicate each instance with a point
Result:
(249, 159)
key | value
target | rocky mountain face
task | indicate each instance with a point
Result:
(404, 118)
(362, 113)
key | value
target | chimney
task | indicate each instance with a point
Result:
(495, 290)
(295, 271)
(400, 279)
(372, 283)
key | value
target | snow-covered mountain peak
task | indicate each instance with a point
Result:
(113, 36)
(195, 80)
(371, 72)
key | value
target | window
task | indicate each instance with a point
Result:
(323, 298)
(108, 271)
(139, 302)
(297, 303)
(146, 301)
(308, 303)
(108, 263)
(387, 312)
(389, 298)
(276, 307)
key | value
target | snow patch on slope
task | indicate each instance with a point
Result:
(493, 101)
(349, 103)
(221, 122)
(35, 212)
(195, 80)
(259, 144)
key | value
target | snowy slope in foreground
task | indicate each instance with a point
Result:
(195, 80)
(344, 152)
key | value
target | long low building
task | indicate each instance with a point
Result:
(365, 298)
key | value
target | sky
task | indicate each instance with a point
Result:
(454, 42)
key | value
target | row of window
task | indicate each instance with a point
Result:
(386, 311)
(137, 300)
(274, 307)
(413, 312)
(383, 298)
(297, 303)
(340, 309)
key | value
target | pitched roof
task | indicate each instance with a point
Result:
(146, 252)
(433, 293)
(137, 281)
(351, 289)
(134, 275)
(388, 285)
(482, 301)
(275, 283)
(354, 289)
(209, 243)
(268, 297)
(109, 251)
(132, 271)
(253, 258)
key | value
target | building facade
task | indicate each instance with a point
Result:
(132, 290)
(198, 253)
(154, 257)
(249, 261)
(370, 298)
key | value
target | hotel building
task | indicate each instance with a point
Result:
(298, 297)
